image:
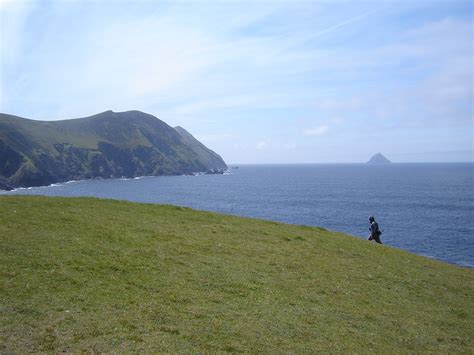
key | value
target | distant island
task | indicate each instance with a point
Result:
(106, 145)
(378, 159)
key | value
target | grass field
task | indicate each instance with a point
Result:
(83, 274)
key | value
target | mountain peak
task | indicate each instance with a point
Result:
(106, 145)
(378, 159)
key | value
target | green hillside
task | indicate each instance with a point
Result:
(84, 274)
(109, 144)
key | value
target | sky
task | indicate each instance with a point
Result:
(257, 81)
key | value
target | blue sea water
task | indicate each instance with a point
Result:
(427, 209)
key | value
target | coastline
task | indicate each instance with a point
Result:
(198, 173)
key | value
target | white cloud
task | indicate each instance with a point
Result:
(132, 63)
(337, 119)
(13, 18)
(215, 104)
(215, 67)
(4, 3)
(317, 131)
(289, 146)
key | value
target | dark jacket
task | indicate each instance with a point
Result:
(374, 229)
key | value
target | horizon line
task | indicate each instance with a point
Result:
(364, 163)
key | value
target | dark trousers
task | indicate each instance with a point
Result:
(375, 237)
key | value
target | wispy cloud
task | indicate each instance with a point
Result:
(289, 146)
(221, 68)
(13, 20)
(212, 138)
(317, 131)
(261, 145)
(343, 23)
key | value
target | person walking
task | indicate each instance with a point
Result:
(374, 230)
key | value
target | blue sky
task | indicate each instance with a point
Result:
(258, 82)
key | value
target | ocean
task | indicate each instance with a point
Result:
(427, 209)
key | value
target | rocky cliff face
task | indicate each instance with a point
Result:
(107, 145)
(212, 160)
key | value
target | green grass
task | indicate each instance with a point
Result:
(83, 274)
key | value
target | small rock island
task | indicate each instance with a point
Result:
(378, 159)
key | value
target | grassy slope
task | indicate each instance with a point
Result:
(44, 134)
(101, 275)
